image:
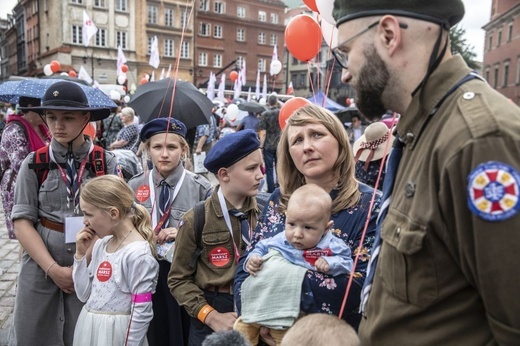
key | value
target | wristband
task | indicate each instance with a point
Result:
(47, 271)
(204, 312)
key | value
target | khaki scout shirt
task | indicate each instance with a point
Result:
(187, 284)
(445, 275)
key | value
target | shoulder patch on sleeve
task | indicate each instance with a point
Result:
(493, 191)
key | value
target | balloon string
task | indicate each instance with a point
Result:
(310, 80)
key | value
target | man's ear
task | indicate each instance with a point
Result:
(223, 174)
(390, 33)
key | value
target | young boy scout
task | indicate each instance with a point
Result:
(203, 284)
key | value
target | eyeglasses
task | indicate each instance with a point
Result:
(340, 55)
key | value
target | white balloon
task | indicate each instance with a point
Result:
(330, 33)
(64, 74)
(47, 70)
(262, 101)
(121, 79)
(325, 8)
(115, 95)
(126, 98)
(276, 67)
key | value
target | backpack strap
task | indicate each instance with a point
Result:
(200, 218)
(41, 164)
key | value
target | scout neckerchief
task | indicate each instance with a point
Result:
(225, 213)
(157, 226)
(72, 177)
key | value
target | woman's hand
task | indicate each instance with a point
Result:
(62, 277)
(220, 322)
(167, 235)
(84, 240)
(254, 264)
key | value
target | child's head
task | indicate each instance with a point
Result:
(320, 329)
(112, 196)
(236, 161)
(307, 216)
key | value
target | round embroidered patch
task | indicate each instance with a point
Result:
(493, 191)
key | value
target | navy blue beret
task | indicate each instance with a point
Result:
(230, 149)
(162, 125)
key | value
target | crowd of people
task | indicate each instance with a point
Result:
(370, 235)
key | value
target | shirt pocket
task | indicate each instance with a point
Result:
(176, 216)
(217, 249)
(48, 195)
(406, 265)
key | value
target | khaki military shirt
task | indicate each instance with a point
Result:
(187, 284)
(447, 271)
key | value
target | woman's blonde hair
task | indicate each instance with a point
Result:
(290, 178)
(110, 191)
(182, 140)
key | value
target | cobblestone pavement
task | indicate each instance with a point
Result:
(9, 265)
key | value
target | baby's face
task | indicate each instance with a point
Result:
(305, 225)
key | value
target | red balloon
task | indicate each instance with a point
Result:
(143, 80)
(73, 73)
(312, 5)
(55, 66)
(289, 108)
(233, 76)
(303, 37)
(124, 68)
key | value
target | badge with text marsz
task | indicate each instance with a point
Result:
(311, 256)
(219, 256)
(104, 271)
(493, 191)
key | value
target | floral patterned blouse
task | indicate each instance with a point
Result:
(322, 293)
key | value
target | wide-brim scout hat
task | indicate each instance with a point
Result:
(162, 125)
(67, 96)
(372, 144)
(444, 12)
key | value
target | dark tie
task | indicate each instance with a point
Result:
(244, 225)
(388, 186)
(164, 202)
(72, 177)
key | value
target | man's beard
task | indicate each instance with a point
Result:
(372, 82)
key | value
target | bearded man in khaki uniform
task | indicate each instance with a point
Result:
(448, 259)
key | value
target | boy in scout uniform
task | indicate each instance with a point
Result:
(445, 261)
(203, 284)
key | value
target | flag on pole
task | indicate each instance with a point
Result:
(249, 95)
(210, 92)
(162, 74)
(221, 87)
(237, 89)
(83, 74)
(154, 53)
(152, 79)
(243, 74)
(275, 53)
(169, 71)
(290, 89)
(121, 60)
(257, 91)
(89, 28)
(272, 67)
(264, 89)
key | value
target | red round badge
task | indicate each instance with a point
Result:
(219, 256)
(104, 271)
(311, 256)
(142, 193)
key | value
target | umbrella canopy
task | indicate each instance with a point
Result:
(251, 107)
(322, 100)
(6, 90)
(154, 100)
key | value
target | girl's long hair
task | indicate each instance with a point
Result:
(290, 178)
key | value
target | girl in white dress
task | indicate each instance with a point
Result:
(118, 279)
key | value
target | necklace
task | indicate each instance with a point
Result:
(121, 243)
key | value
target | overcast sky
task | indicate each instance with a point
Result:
(477, 14)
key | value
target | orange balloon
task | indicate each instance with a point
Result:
(90, 130)
(124, 68)
(289, 108)
(143, 80)
(233, 76)
(55, 66)
(312, 5)
(73, 73)
(303, 37)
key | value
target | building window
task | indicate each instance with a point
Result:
(100, 3)
(505, 76)
(203, 5)
(499, 40)
(77, 1)
(204, 29)
(169, 17)
(241, 12)
(261, 64)
(203, 59)
(184, 18)
(495, 77)
(150, 40)
(261, 37)
(219, 7)
(185, 50)
(303, 78)
(169, 48)
(273, 40)
(486, 74)
(295, 61)
(217, 31)
(518, 70)
(262, 16)
(509, 32)
(240, 61)
(152, 15)
(77, 34)
(241, 35)
(121, 5)
(121, 39)
(217, 60)
(101, 38)
(274, 18)
(490, 41)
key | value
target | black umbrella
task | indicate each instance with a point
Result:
(154, 99)
(251, 107)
